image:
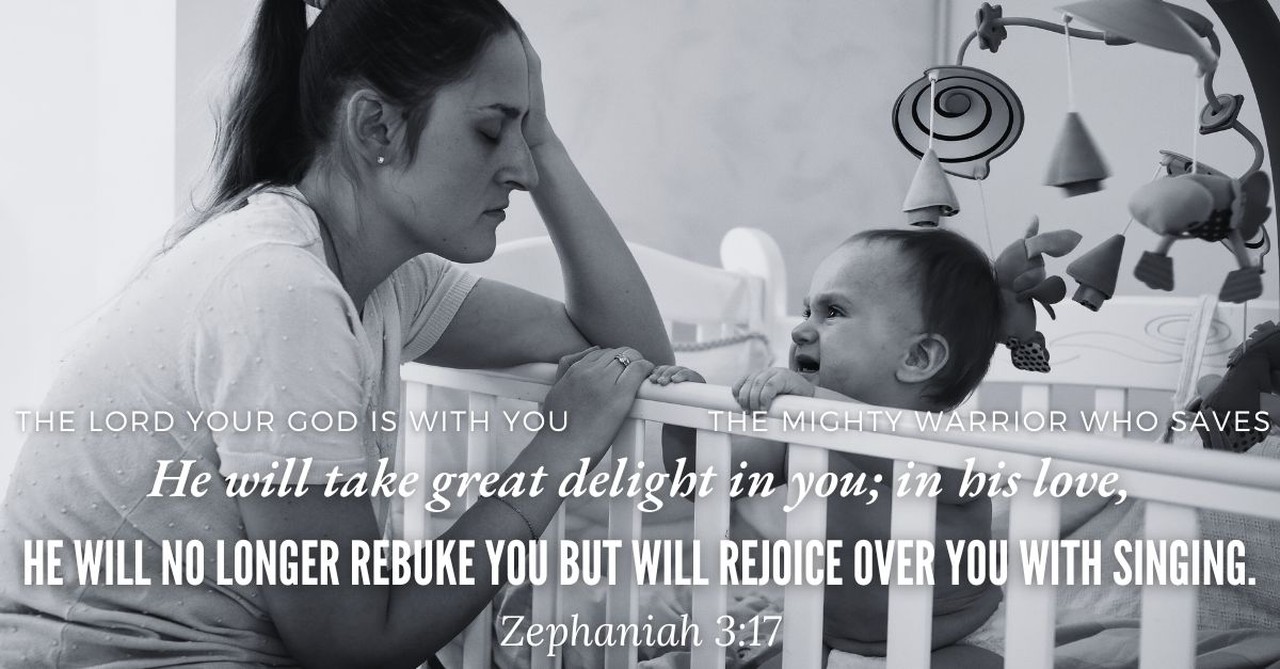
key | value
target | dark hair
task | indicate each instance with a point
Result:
(960, 301)
(292, 79)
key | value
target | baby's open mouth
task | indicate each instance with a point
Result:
(806, 364)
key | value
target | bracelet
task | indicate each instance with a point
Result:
(533, 534)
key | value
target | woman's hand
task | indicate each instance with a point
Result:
(756, 391)
(606, 296)
(596, 390)
(537, 129)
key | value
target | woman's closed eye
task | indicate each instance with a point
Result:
(492, 132)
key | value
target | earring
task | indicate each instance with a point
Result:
(381, 160)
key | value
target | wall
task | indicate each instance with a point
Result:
(690, 118)
(210, 34)
(86, 174)
(693, 118)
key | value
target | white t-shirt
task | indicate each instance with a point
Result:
(242, 316)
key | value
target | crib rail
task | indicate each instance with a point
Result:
(1174, 482)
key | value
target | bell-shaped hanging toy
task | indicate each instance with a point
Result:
(1077, 166)
(1096, 271)
(930, 196)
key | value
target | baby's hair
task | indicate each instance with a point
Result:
(959, 298)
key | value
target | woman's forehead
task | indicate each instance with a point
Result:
(499, 77)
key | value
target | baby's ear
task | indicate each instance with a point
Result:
(926, 355)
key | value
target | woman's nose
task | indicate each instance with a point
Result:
(521, 172)
(804, 333)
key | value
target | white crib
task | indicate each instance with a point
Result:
(1134, 345)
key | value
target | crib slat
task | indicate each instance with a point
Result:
(911, 606)
(710, 525)
(481, 455)
(1035, 397)
(548, 600)
(480, 458)
(411, 456)
(801, 635)
(1168, 611)
(548, 605)
(622, 601)
(1031, 608)
(413, 447)
(1110, 401)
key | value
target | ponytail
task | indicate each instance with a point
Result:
(262, 138)
(292, 78)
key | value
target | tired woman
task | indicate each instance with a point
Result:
(362, 157)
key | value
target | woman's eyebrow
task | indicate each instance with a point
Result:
(507, 110)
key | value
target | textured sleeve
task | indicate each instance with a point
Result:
(430, 290)
(276, 334)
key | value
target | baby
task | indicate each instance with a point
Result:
(894, 318)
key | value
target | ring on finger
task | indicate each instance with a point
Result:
(622, 359)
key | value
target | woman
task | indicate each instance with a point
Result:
(388, 130)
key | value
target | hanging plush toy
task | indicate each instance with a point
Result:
(1211, 207)
(1021, 275)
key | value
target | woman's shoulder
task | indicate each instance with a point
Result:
(269, 215)
(269, 223)
(255, 256)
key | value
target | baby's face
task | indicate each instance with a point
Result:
(860, 316)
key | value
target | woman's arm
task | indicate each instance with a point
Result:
(500, 325)
(388, 626)
(398, 626)
(606, 296)
(607, 300)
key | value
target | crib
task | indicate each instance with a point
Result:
(1140, 351)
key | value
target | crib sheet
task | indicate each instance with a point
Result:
(1239, 626)
(1114, 644)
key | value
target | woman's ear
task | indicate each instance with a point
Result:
(926, 355)
(369, 128)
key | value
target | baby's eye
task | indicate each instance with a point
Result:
(805, 312)
(832, 312)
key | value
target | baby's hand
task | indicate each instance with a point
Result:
(664, 374)
(755, 391)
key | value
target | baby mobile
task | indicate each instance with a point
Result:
(957, 119)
